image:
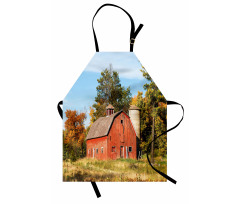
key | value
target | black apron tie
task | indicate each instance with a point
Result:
(149, 145)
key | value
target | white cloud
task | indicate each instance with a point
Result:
(125, 63)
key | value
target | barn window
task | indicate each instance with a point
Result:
(130, 149)
(122, 121)
(97, 151)
(113, 149)
(101, 149)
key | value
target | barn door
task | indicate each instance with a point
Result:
(121, 152)
(93, 152)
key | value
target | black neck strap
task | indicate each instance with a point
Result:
(133, 32)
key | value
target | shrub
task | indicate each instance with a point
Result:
(73, 151)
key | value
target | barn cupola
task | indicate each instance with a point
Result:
(110, 110)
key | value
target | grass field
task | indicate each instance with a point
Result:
(112, 170)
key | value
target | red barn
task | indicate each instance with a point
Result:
(112, 137)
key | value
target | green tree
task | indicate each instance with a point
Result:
(153, 116)
(146, 120)
(110, 91)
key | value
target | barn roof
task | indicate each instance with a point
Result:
(101, 126)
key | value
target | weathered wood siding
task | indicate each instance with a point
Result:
(122, 134)
(95, 144)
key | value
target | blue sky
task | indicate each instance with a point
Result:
(83, 93)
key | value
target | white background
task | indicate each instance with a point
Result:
(191, 50)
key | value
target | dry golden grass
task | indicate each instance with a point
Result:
(112, 170)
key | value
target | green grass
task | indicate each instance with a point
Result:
(113, 170)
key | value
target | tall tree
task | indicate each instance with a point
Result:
(74, 135)
(74, 127)
(153, 114)
(110, 91)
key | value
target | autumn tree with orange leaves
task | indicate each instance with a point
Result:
(74, 134)
(74, 126)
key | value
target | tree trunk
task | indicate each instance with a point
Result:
(82, 151)
(152, 158)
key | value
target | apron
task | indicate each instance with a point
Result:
(115, 120)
